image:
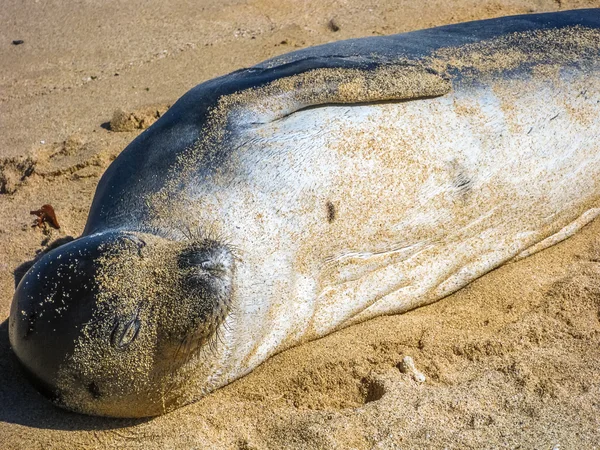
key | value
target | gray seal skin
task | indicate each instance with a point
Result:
(318, 189)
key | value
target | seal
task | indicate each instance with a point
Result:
(315, 190)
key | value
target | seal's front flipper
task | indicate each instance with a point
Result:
(318, 82)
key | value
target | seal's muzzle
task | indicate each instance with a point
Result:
(104, 324)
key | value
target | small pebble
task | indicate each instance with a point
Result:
(334, 25)
(18, 42)
(407, 365)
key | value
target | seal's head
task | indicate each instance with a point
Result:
(120, 323)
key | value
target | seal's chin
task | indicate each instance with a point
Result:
(109, 324)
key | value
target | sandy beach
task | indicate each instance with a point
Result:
(511, 361)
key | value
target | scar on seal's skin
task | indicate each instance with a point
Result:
(463, 183)
(331, 212)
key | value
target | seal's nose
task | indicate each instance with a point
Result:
(52, 302)
(106, 324)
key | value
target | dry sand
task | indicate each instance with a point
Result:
(512, 361)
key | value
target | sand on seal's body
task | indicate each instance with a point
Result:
(317, 190)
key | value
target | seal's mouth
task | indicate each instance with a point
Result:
(104, 324)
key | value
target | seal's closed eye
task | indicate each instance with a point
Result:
(207, 258)
(207, 269)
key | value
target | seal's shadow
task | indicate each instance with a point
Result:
(21, 404)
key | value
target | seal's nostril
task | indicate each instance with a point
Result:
(124, 334)
(94, 390)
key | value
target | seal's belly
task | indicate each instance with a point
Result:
(365, 210)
